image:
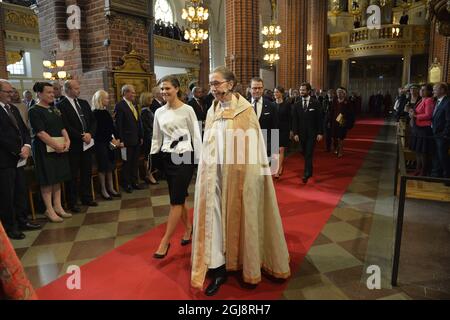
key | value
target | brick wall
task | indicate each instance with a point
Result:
(242, 41)
(90, 61)
(292, 65)
(3, 72)
(440, 49)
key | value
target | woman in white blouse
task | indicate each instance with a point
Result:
(176, 137)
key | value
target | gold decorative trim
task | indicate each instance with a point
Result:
(175, 50)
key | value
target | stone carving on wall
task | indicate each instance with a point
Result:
(132, 7)
(13, 57)
(21, 19)
(133, 72)
(129, 24)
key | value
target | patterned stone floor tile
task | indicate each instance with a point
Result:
(342, 231)
(53, 236)
(46, 255)
(135, 214)
(101, 217)
(97, 231)
(331, 257)
(90, 248)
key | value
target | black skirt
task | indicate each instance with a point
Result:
(106, 158)
(422, 140)
(178, 175)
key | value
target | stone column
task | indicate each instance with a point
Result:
(292, 18)
(242, 39)
(3, 62)
(319, 40)
(345, 72)
(406, 75)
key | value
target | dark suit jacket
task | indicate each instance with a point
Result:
(72, 122)
(12, 138)
(129, 129)
(441, 119)
(155, 105)
(200, 111)
(307, 123)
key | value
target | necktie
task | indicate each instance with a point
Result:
(305, 104)
(81, 115)
(13, 119)
(133, 109)
(11, 116)
(255, 106)
(436, 108)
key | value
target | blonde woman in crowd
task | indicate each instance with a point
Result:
(105, 144)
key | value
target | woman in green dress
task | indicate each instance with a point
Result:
(51, 162)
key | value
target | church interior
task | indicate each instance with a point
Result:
(369, 225)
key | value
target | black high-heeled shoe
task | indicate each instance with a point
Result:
(109, 198)
(162, 256)
(186, 242)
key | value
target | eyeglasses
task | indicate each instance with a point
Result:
(257, 88)
(217, 83)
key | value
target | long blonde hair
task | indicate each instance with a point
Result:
(146, 98)
(97, 100)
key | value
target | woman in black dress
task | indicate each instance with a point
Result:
(105, 144)
(147, 118)
(50, 146)
(284, 125)
(342, 121)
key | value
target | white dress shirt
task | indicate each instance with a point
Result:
(171, 124)
(72, 102)
(259, 106)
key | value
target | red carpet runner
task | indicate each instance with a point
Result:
(130, 272)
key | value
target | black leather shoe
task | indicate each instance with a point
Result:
(91, 203)
(214, 286)
(136, 186)
(75, 209)
(15, 235)
(30, 226)
(305, 180)
(129, 189)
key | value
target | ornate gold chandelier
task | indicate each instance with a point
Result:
(52, 67)
(195, 15)
(271, 44)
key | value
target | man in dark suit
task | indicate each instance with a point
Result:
(81, 125)
(28, 99)
(15, 146)
(57, 90)
(327, 115)
(197, 103)
(266, 111)
(307, 125)
(157, 101)
(129, 130)
(441, 131)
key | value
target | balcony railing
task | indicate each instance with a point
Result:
(393, 32)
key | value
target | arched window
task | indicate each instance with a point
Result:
(163, 11)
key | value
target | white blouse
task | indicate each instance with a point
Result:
(175, 124)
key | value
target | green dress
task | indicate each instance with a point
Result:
(50, 168)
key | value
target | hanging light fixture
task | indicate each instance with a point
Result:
(271, 43)
(52, 66)
(195, 14)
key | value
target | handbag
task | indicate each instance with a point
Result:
(59, 140)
